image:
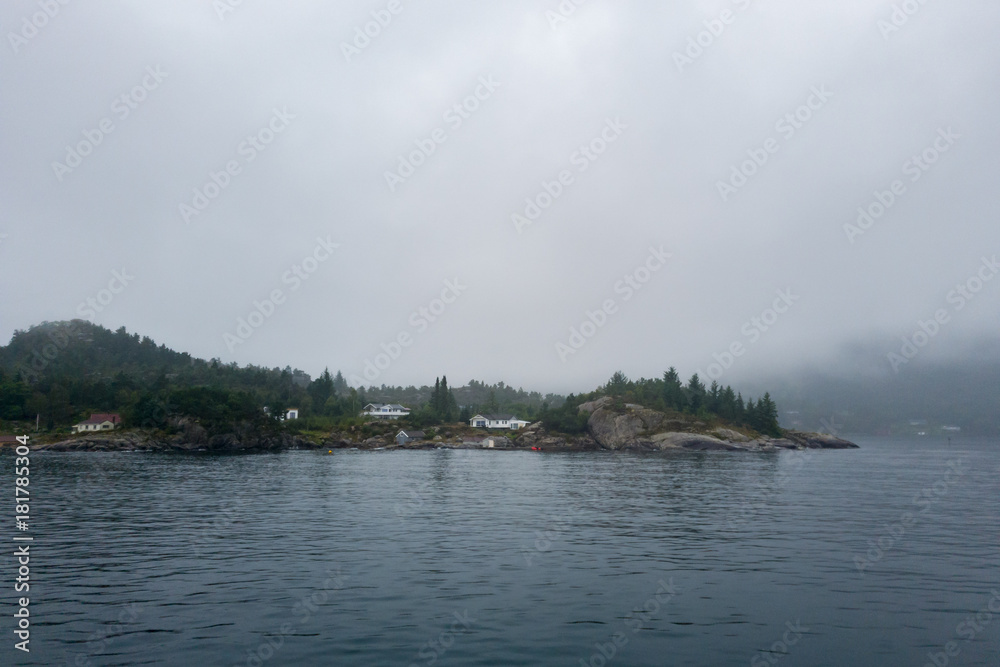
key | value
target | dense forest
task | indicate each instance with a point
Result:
(60, 373)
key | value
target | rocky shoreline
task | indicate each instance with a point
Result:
(609, 428)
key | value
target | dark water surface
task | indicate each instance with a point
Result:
(510, 558)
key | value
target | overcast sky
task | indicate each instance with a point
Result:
(626, 123)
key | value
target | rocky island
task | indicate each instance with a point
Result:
(610, 427)
(145, 397)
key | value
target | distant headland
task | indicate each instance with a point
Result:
(76, 386)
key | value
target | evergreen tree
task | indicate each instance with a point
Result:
(768, 416)
(714, 398)
(727, 409)
(435, 404)
(617, 385)
(491, 405)
(695, 394)
(321, 389)
(340, 385)
(453, 411)
(673, 391)
(750, 414)
(448, 405)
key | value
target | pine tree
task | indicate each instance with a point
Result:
(491, 405)
(435, 404)
(727, 408)
(448, 406)
(452, 411)
(768, 416)
(320, 390)
(695, 394)
(673, 392)
(340, 385)
(714, 398)
(617, 385)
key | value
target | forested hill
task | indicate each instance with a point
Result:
(63, 371)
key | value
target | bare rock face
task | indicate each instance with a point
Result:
(613, 430)
(594, 406)
(241, 440)
(101, 443)
(540, 438)
(730, 435)
(339, 440)
(818, 440)
(693, 441)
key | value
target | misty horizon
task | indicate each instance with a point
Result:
(522, 193)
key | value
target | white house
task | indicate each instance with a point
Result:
(385, 411)
(509, 422)
(98, 422)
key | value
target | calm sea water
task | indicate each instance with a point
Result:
(508, 558)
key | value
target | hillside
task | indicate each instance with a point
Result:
(62, 372)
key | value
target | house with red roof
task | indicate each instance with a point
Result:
(99, 421)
